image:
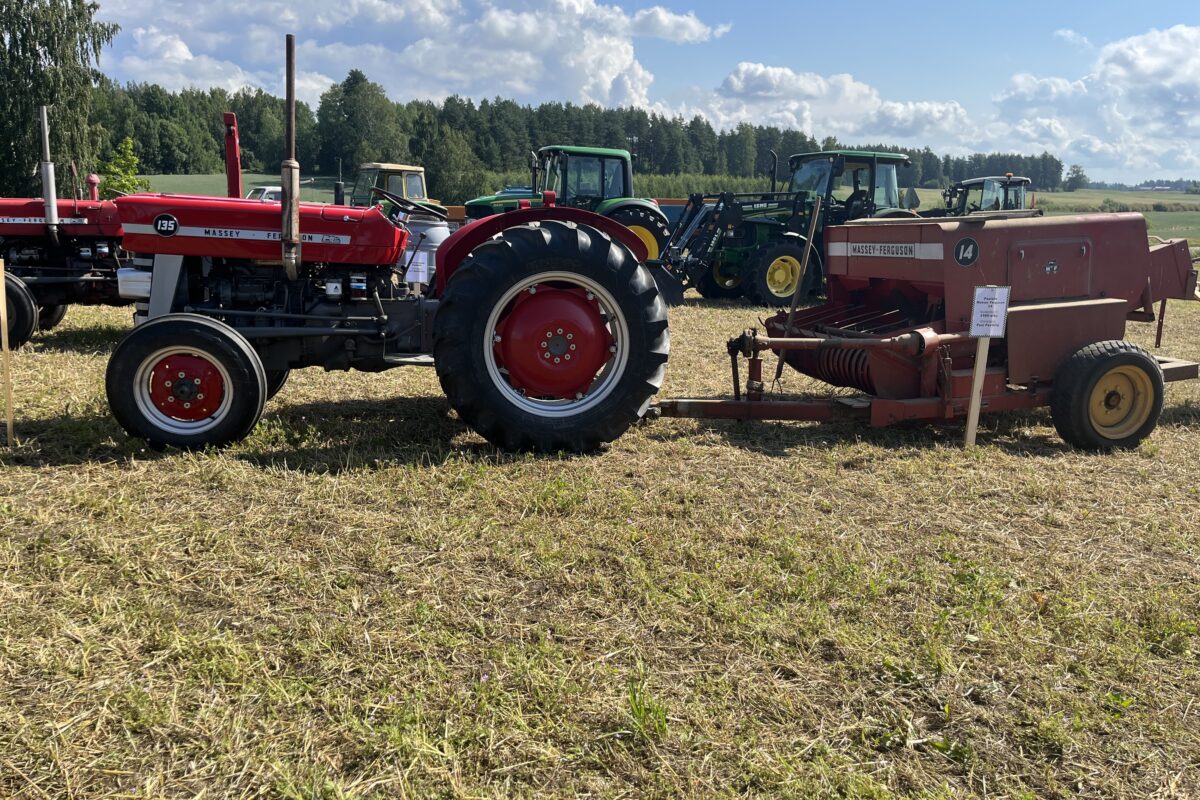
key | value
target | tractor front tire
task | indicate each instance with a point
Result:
(772, 273)
(649, 226)
(551, 337)
(184, 380)
(50, 316)
(22, 311)
(1107, 396)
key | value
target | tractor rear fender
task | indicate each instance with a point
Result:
(452, 252)
(610, 207)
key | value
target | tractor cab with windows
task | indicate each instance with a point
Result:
(402, 180)
(852, 183)
(994, 193)
(598, 179)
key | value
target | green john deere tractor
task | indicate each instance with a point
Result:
(596, 178)
(993, 193)
(730, 245)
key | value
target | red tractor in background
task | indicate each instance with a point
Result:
(57, 252)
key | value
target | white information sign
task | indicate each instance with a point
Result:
(989, 312)
(419, 271)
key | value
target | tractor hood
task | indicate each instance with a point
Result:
(75, 218)
(493, 199)
(223, 227)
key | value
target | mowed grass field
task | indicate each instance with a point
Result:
(365, 600)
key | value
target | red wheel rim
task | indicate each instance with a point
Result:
(186, 387)
(552, 342)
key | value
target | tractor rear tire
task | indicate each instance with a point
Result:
(22, 311)
(771, 274)
(711, 287)
(517, 310)
(1107, 396)
(50, 316)
(649, 226)
(184, 380)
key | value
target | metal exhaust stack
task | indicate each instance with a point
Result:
(49, 189)
(291, 173)
(233, 156)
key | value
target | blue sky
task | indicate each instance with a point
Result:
(1112, 86)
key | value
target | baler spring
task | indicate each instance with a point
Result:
(845, 367)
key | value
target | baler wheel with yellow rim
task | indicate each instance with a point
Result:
(1107, 396)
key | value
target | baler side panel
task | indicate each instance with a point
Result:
(1050, 268)
(1041, 336)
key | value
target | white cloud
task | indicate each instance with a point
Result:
(165, 59)
(836, 105)
(1132, 114)
(1072, 37)
(1133, 110)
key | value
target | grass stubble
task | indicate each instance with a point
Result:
(363, 599)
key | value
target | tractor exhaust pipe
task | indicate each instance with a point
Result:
(290, 173)
(233, 156)
(49, 189)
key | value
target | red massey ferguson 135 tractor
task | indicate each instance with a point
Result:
(546, 330)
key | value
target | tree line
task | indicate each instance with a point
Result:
(458, 140)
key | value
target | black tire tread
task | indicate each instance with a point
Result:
(50, 316)
(481, 280)
(655, 222)
(22, 311)
(708, 287)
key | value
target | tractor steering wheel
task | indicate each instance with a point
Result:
(408, 206)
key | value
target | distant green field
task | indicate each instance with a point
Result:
(1138, 201)
(319, 191)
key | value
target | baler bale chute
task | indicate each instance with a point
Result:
(895, 326)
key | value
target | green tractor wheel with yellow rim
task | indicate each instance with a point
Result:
(718, 283)
(1107, 396)
(649, 226)
(772, 274)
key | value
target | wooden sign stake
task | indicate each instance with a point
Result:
(989, 316)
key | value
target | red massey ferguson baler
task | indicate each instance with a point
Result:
(48, 269)
(546, 330)
(895, 325)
